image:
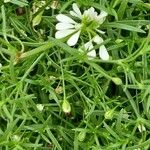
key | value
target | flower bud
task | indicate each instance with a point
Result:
(66, 107)
(81, 136)
(119, 41)
(109, 114)
(40, 107)
(16, 138)
(117, 80)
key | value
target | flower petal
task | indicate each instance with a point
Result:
(76, 9)
(103, 53)
(90, 13)
(101, 17)
(64, 26)
(63, 33)
(72, 13)
(92, 54)
(88, 45)
(73, 39)
(103, 14)
(65, 19)
(100, 31)
(97, 39)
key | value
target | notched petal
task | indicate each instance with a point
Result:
(73, 39)
(65, 19)
(76, 9)
(63, 33)
(103, 53)
(64, 26)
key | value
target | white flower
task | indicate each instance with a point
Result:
(68, 27)
(103, 54)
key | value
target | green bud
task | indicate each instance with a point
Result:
(109, 114)
(81, 136)
(66, 106)
(16, 138)
(37, 19)
(40, 107)
(117, 80)
(118, 41)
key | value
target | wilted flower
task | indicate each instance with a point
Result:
(54, 4)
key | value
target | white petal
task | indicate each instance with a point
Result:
(76, 9)
(103, 53)
(103, 14)
(64, 26)
(101, 17)
(91, 14)
(63, 33)
(100, 31)
(73, 39)
(65, 19)
(88, 45)
(72, 13)
(92, 54)
(91, 10)
(97, 39)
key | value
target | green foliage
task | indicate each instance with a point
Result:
(108, 101)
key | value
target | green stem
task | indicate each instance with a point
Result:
(37, 50)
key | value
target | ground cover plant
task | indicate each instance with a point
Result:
(74, 75)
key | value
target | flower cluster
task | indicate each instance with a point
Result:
(87, 22)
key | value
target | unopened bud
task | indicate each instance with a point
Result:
(66, 107)
(81, 136)
(117, 80)
(16, 138)
(40, 107)
(109, 114)
(118, 41)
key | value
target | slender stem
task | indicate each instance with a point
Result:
(37, 50)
